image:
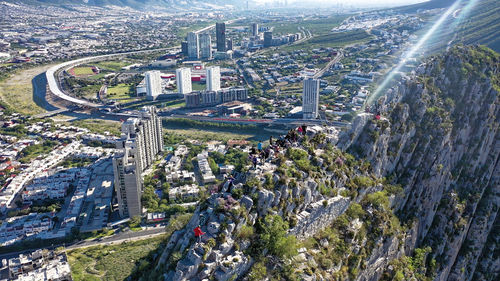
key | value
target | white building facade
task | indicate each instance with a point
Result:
(153, 84)
(183, 77)
(213, 78)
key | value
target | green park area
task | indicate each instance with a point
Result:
(122, 92)
(197, 86)
(82, 71)
(112, 262)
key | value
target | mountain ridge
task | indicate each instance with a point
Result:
(135, 4)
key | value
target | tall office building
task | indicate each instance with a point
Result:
(205, 46)
(229, 44)
(153, 84)
(310, 98)
(213, 78)
(183, 78)
(184, 48)
(220, 32)
(141, 141)
(268, 39)
(255, 29)
(193, 45)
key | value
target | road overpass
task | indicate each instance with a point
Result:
(53, 82)
(55, 88)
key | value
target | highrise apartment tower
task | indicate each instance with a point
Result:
(153, 84)
(141, 141)
(193, 45)
(220, 32)
(310, 98)
(213, 78)
(183, 77)
(255, 29)
(205, 46)
(268, 39)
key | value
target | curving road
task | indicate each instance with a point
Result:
(55, 87)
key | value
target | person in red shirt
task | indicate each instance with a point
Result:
(198, 233)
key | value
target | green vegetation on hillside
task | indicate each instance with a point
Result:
(114, 262)
(482, 26)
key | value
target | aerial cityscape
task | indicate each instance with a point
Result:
(249, 140)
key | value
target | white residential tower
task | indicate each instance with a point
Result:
(213, 78)
(183, 77)
(153, 84)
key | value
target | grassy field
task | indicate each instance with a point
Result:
(207, 135)
(286, 27)
(98, 126)
(198, 86)
(121, 92)
(112, 65)
(323, 26)
(17, 90)
(332, 40)
(83, 71)
(96, 76)
(113, 262)
(316, 26)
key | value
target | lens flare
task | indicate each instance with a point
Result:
(452, 11)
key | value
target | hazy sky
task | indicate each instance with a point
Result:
(349, 2)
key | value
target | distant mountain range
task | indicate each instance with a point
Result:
(136, 4)
(141, 4)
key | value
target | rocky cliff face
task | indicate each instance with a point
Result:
(413, 195)
(439, 138)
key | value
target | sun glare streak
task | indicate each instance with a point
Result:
(419, 45)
